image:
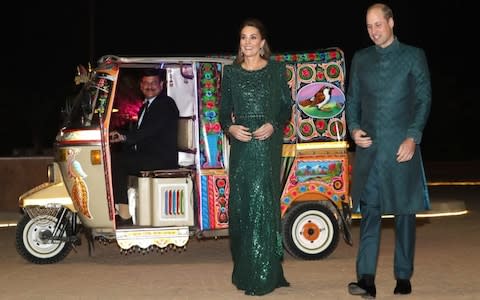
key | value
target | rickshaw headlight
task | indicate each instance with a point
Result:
(95, 157)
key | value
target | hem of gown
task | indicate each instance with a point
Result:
(254, 292)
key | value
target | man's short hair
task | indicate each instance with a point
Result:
(155, 72)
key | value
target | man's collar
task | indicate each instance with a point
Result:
(149, 100)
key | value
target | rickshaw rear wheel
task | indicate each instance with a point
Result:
(33, 239)
(310, 231)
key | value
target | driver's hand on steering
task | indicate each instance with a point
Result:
(116, 137)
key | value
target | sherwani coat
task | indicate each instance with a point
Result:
(389, 97)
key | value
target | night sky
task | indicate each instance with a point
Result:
(47, 41)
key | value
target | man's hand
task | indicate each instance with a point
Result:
(116, 137)
(406, 150)
(361, 138)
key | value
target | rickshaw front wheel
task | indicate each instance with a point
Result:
(310, 231)
(35, 241)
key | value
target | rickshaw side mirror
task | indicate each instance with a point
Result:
(187, 71)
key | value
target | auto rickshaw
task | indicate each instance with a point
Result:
(172, 206)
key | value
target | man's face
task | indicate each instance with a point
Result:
(379, 29)
(151, 86)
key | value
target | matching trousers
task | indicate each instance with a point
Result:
(370, 232)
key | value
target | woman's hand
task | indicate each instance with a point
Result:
(263, 132)
(240, 132)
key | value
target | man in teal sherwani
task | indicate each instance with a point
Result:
(388, 103)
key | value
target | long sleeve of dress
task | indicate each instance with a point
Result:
(226, 105)
(284, 100)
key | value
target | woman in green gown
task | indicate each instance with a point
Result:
(255, 105)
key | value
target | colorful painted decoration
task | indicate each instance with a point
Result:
(321, 100)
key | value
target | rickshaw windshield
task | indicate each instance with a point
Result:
(91, 102)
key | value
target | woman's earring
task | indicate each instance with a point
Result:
(262, 52)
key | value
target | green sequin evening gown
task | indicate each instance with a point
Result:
(256, 97)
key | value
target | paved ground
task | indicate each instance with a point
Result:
(448, 252)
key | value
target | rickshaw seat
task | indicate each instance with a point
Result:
(186, 144)
(186, 135)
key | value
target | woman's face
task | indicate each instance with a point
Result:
(251, 41)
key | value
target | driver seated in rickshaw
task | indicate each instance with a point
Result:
(150, 145)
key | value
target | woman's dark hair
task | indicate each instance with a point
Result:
(263, 34)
